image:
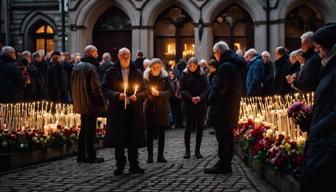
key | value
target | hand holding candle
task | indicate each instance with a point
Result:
(125, 100)
(154, 92)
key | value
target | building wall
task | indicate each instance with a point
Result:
(83, 14)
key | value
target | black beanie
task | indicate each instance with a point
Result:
(326, 36)
(55, 53)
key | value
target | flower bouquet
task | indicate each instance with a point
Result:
(300, 114)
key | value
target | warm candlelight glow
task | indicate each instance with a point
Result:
(136, 88)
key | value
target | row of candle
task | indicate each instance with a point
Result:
(38, 115)
(272, 111)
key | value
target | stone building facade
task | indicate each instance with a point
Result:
(162, 28)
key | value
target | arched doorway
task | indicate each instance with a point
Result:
(174, 36)
(112, 31)
(235, 26)
(43, 37)
(298, 21)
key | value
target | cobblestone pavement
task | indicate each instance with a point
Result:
(177, 175)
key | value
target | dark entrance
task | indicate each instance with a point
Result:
(112, 31)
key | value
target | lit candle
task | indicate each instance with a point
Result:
(135, 91)
(125, 101)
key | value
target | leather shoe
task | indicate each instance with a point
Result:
(136, 169)
(186, 155)
(198, 155)
(96, 160)
(161, 160)
(118, 172)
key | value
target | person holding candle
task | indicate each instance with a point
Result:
(89, 101)
(157, 106)
(124, 87)
(319, 169)
(195, 90)
(224, 101)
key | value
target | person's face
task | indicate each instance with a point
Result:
(277, 56)
(292, 60)
(216, 54)
(265, 58)
(156, 69)
(38, 59)
(11, 54)
(323, 52)
(306, 45)
(300, 59)
(247, 57)
(171, 75)
(203, 65)
(94, 53)
(192, 67)
(124, 58)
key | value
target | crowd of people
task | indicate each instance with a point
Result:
(141, 99)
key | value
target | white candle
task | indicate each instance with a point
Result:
(135, 91)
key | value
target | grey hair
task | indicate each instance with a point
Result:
(7, 49)
(221, 46)
(88, 49)
(266, 53)
(299, 52)
(36, 54)
(203, 61)
(293, 54)
(252, 52)
(107, 55)
(124, 49)
(307, 35)
(26, 54)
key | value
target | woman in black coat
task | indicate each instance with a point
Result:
(157, 106)
(319, 169)
(194, 90)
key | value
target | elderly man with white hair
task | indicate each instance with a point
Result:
(309, 75)
(11, 80)
(124, 87)
(255, 73)
(224, 101)
(268, 81)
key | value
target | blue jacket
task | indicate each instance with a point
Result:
(255, 75)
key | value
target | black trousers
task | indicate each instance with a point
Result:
(224, 138)
(160, 131)
(176, 110)
(87, 137)
(132, 153)
(194, 123)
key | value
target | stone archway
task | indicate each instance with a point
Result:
(85, 16)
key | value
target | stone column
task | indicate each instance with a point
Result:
(203, 48)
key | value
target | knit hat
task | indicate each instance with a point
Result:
(154, 61)
(326, 36)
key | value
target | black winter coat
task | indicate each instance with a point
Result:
(193, 85)
(225, 95)
(320, 158)
(42, 79)
(281, 85)
(268, 81)
(11, 81)
(157, 108)
(309, 76)
(87, 95)
(117, 134)
(57, 83)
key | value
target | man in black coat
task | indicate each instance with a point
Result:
(89, 101)
(57, 82)
(319, 169)
(224, 101)
(11, 80)
(105, 65)
(127, 129)
(268, 81)
(308, 79)
(42, 75)
(281, 66)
